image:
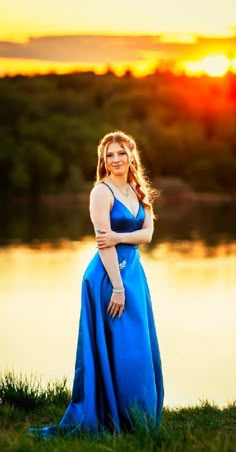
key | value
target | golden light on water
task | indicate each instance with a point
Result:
(193, 294)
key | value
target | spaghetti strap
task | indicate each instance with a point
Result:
(113, 191)
(109, 188)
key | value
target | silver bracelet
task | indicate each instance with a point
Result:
(118, 290)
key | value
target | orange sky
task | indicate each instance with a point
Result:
(56, 36)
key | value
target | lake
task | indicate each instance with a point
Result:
(191, 269)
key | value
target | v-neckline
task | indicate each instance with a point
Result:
(131, 213)
(116, 199)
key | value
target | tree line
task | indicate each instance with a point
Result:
(50, 127)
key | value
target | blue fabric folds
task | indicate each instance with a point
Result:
(118, 371)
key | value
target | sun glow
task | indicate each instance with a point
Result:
(212, 65)
(216, 66)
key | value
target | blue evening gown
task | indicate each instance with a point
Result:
(118, 371)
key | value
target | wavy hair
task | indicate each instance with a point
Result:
(136, 175)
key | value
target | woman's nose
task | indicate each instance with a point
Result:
(116, 158)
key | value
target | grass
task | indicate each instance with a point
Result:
(24, 403)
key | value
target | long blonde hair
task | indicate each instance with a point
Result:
(136, 176)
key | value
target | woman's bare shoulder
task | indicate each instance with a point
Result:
(100, 192)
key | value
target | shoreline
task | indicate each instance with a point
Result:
(68, 199)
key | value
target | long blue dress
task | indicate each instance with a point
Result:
(118, 369)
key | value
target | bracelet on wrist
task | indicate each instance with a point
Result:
(121, 290)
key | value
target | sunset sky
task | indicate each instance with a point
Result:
(41, 36)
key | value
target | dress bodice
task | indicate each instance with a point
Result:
(122, 219)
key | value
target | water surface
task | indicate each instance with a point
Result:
(191, 270)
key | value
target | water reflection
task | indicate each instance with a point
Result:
(31, 223)
(193, 291)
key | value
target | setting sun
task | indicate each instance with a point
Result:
(212, 65)
(216, 66)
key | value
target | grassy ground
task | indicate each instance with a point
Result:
(25, 403)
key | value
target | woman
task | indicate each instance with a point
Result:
(118, 372)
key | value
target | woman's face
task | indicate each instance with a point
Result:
(117, 160)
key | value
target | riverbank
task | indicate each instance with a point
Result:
(171, 189)
(66, 200)
(26, 403)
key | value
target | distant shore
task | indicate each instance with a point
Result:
(171, 189)
(67, 199)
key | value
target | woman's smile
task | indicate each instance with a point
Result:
(117, 159)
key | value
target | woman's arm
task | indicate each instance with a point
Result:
(140, 236)
(100, 205)
(107, 238)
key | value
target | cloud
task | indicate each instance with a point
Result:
(111, 49)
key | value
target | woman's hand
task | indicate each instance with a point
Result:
(117, 305)
(106, 239)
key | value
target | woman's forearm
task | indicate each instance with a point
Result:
(110, 261)
(109, 239)
(136, 237)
